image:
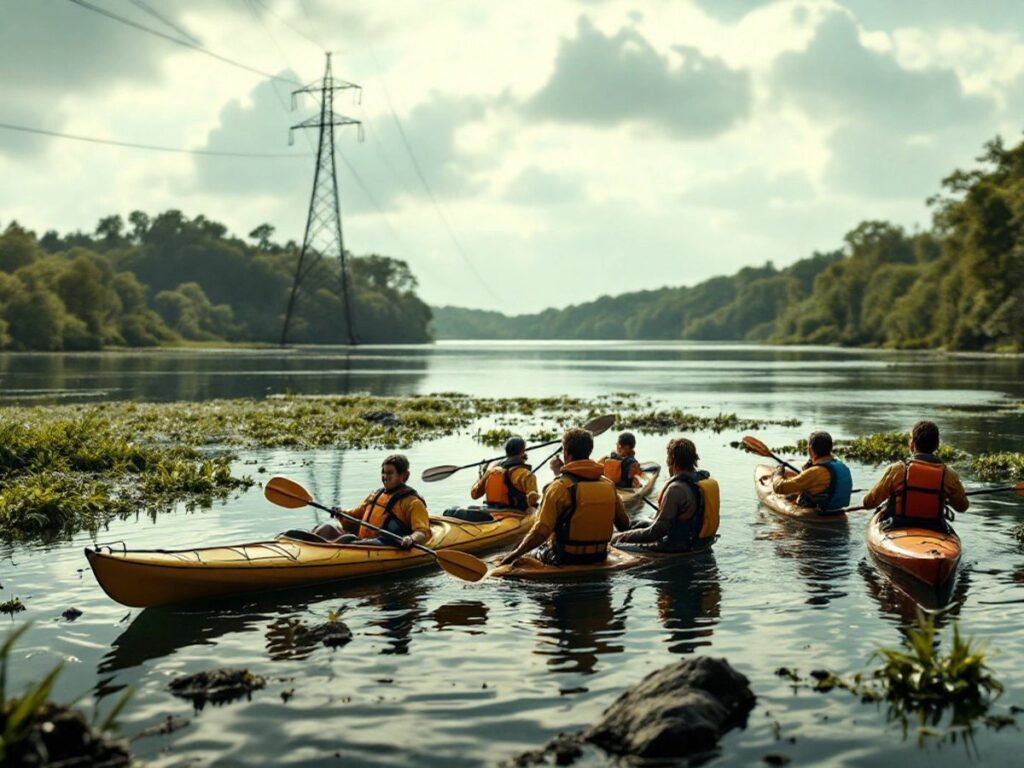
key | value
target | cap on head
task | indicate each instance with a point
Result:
(514, 446)
(627, 439)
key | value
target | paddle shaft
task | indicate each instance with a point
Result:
(979, 492)
(371, 526)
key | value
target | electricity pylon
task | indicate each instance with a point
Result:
(323, 223)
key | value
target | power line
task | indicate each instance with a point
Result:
(178, 41)
(312, 26)
(152, 147)
(167, 22)
(426, 185)
(294, 29)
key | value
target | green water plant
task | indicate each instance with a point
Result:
(12, 606)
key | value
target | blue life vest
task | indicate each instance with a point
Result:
(840, 487)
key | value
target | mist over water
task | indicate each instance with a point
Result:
(442, 672)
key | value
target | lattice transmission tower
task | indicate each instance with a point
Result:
(323, 223)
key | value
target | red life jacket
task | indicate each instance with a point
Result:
(921, 496)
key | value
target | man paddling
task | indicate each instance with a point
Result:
(621, 466)
(508, 485)
(579, 509)
(916, 491)
(395, 507)
(688, 507)
(824, 484)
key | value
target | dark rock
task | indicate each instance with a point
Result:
(676, 711)
(333, 634)
(820, 674)
(565, 748)
(217, 686)
(71, 614)
(774, 759)
(385, 418)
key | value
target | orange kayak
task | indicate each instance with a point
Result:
(529, 567)
(782, 505)
(928, 556)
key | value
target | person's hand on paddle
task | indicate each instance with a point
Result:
(509, 559)
(407, 542)
(556, 465)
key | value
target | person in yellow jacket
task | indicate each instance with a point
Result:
(510, 484)
(824, 483)
(688, 508)
(395, 507)
(579, 510)
(621, 466)
(917, 491)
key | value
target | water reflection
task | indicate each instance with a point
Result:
(900, 597)
(822, 555)
(689, 601)
(577, 623)
(461, 613)
(398, 609)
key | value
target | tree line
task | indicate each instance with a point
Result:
(958, 285)
(166, 279)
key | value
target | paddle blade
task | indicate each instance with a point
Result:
(756, 446)
(462, 564)
(433, 474)
(286, 493)
(600, 425)
(650, 467)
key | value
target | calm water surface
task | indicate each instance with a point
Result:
(441, 672)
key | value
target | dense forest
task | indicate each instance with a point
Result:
(168, 279)
(959, 285)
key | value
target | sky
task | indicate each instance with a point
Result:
(516, 155)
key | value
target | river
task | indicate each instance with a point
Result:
(441, 672)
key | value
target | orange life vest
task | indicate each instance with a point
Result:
(585, 528)
(501, 491)
(382, 515)
(617, 469)
(921, 496)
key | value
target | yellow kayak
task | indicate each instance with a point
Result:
(785, 506)
(529, 567)
(143, 578)
(633, 498)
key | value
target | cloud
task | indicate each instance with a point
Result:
(838, 77)
(607, 81)
(377, 171)
(535, 186)
(51, 49)
(751, 188)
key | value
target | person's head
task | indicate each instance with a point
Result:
(515, 448)
(681, 455)
(394, 471)
(819, 444)
(626, 443)
(577, 444)
(924, 437)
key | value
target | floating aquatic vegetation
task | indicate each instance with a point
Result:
(995, 467)
(12, 606)
(60, 474)
(919, 680)
(661, 422)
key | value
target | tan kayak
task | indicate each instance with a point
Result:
(529, 567)
(143, 578)
(929, 556)
(633, 498)
(786, 507)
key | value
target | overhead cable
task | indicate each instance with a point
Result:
(293, 28)
(167, 22)
(178, 41)
(151, 147)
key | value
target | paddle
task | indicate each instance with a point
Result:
(1018, 489)
(595, 427)
(288, 493)
(756, 446)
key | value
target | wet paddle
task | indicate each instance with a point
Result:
(287, 493)
(1018, 489)
(756, 446)
(595, 427)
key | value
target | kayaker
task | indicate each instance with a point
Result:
(395, 507)
(687, 508)
(823, 484)
(917, 491)
(579, 509)
(508, 485)
(621, 466)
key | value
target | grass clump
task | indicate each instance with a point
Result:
(676, 420)
(37, 731)
(998, 467)
(12, 606)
